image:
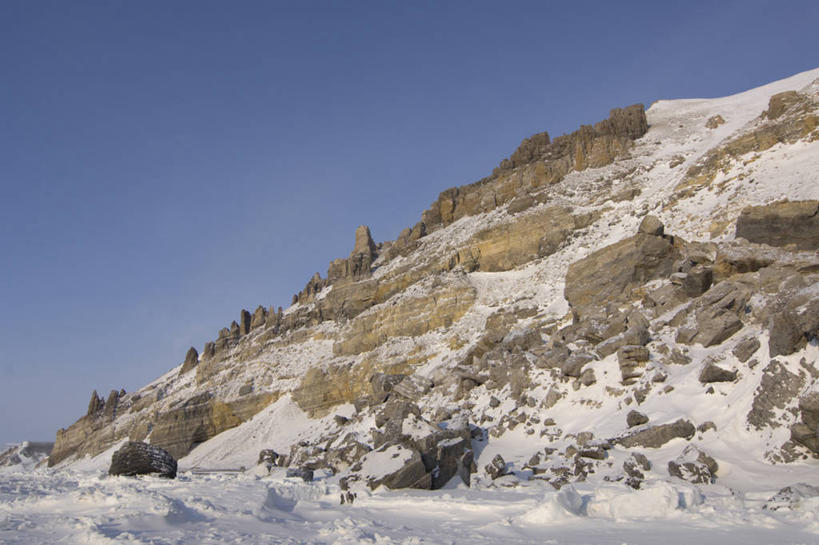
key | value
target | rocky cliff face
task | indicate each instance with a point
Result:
(659, 263)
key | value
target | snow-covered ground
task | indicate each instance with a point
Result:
(74, 507)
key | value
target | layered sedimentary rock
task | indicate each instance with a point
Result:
(781, 224)
(614, 271)
(435, 344)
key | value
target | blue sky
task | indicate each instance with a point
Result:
(165, 164)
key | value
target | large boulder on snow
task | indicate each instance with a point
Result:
(694, 466)
(395, 466)
(657, 436)
(136, 458)
(791, 496)
(713, 373)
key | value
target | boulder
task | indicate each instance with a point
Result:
(633, 467)
(746, 348)
(694, 465)
(302, 473)
(496, 468)
(634, 418)
(573, 366)
(268, 457)
(714, 121)
(632, 359)
(651, 225)
(413, 387)
(781, 223)
(715, 328)
(657, 436)
(784, 335)
(446, 454)
(395, 467)
(806, 432)
(716, 315)
(791, 496)
(382, 384)
(712, 373)
(136, 458)
(697, 281)
(806, 436)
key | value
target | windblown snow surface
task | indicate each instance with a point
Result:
(221, 497)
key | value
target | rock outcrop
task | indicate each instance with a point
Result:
(191, 360)
(781, 224)
(411, 355)
(611, 273)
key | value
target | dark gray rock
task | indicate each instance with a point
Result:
(96, 404)
(809, 409)
(244, 322)
(777, 388)
(593, 452)
(573, 366)
(302, 473)
(785, 337)
(746, 348)
(697, 281)
(259, 317)
(268, 456)
(712, 373)
(633, 467)
(634, 418)
(496, 468)
(191, 360)
(791, 496)
(806, 436)
(657, 436)
(395, 410)
(632, 360)
(137, 458)
(111, 404)
(714, 329)
(413, 387)
(382, 384)
(694, 465)
(706, 426)
(412, 474)
(446, 455)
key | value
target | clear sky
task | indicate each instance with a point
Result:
(164, 164)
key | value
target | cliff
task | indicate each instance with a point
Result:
(660, 262)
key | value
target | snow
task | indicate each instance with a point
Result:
(72, 507)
